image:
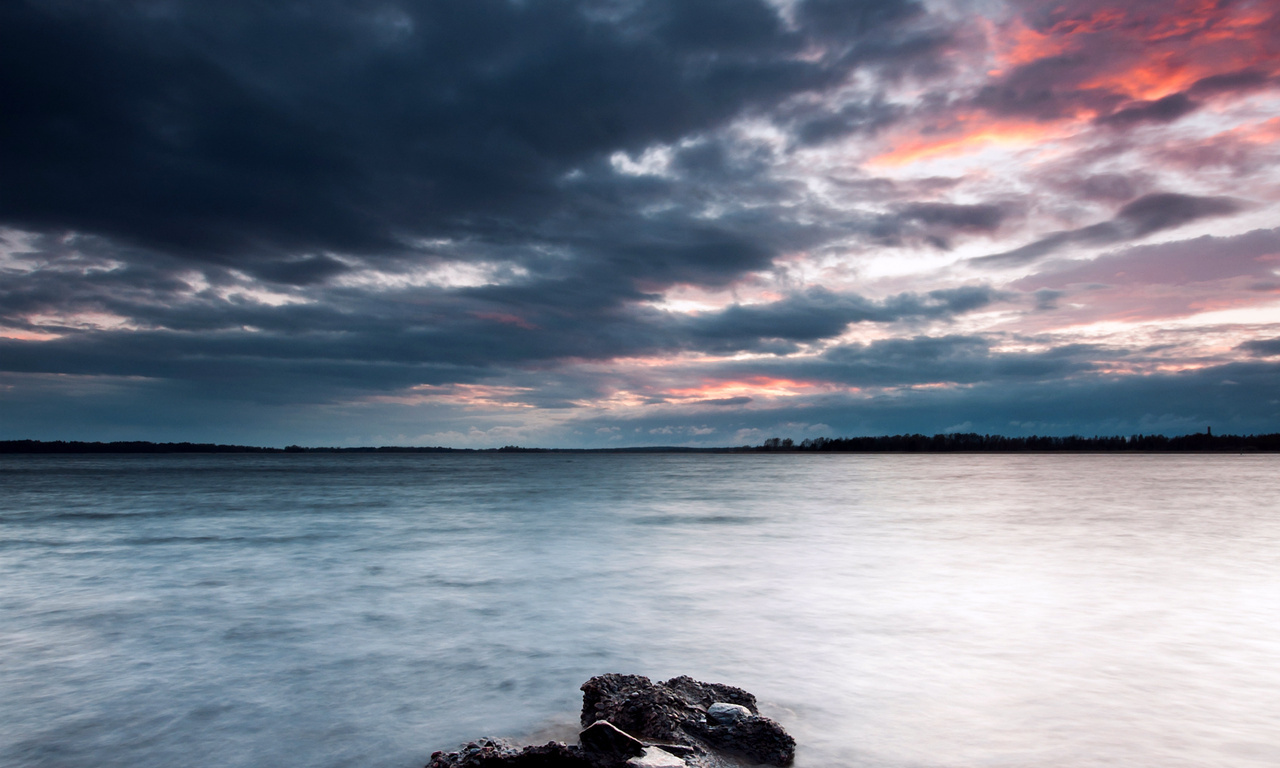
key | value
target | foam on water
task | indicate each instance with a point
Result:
(947, 610)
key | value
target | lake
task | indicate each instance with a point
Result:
(320, 610)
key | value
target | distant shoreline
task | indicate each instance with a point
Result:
(913, 443)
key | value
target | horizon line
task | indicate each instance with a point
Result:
(944, 442)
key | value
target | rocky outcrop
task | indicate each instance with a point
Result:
(631, 722)
(494, 753)
(677, 711)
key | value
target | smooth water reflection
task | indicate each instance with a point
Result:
(890, 610)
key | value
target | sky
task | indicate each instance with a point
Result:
(594, 223)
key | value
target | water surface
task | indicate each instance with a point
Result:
(897, 611)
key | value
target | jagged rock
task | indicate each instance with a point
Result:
(635, 705)
(604, 736)
(722, 713)
(706, 694)
(654, 757)
(497, 753)
(631, 722)
(758, 738)
(676, 712)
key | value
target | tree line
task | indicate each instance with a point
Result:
(953, 442)
(972, 442)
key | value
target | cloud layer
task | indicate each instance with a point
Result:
(578, 222)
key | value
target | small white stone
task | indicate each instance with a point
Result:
(656, 758)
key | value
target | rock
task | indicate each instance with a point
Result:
(758, 738)
(604, 736)
(631, 722)
(635, 705)
(679, 750)
(706, 694)
(656, 758)
(676, 712)
(496, 753)
(722, 713)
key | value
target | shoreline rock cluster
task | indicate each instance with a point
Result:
(629, 721)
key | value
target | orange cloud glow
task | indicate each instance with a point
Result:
(24, 335)
(1191, 40)
(1147, 56)
(1016, 44)
(465, 395)
(1259, 133)
(755, 386)
(972, 132)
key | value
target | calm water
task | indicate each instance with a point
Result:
(888, 610)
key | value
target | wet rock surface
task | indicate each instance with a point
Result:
(605, 737)
(630, 721)
(492, 753)
(677, 711)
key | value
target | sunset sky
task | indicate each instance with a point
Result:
(630, 222)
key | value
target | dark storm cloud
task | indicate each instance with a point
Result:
(818, 314)
(200, 148)
(1231, 82)
(1261, 347)
(240, 130)
(684, 252)
(306, 270)
(203, 152)
(1175, 105)
(329, 341)
(1046, 89)
(173, 160)
(1111, 187)
(974, 218)
(811, 127)
(920, 360)
(843, 21)
(929, 223)
(333, 341)
(240, 366)
(1148, 214)
(1162, 110)
(947, 359)
(1155, 212)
